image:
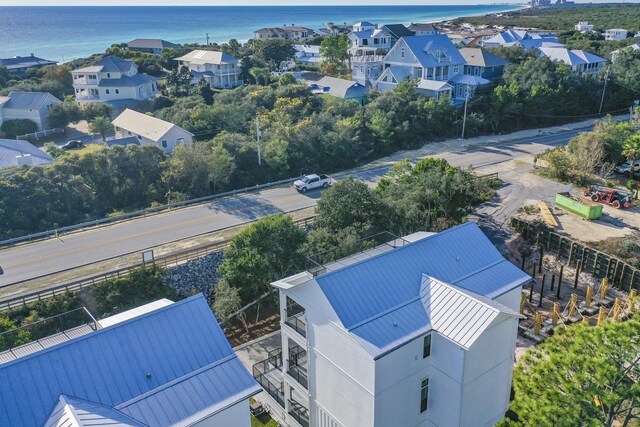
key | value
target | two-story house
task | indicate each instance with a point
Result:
(420, 331)
(366, 69)
(112, 79)
(149, 130)
(434, 60)
(19, 65)
(32, 106)
(579, 60)
(423, 29)
(615, 34)
(367, 39)
(288, 32)
(219, 69)
(583, 26)
(480, 68)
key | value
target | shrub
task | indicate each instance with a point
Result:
(12, 128)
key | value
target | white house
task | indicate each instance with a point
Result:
(150, 130)
(615, 53)
(340, 88)
(420, 331)
(165, 364)
(583, 26)
(367, 38)
(112, 79)
(14, 152)
(288, 33)
(307, 55)
(578, 60)
(428, 58)
(615, 34)
(520, 38)
(32, 106)
(366, 69)
(219, 69)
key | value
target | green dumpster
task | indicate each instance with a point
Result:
(591, 211)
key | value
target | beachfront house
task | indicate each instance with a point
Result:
(155, 46)
(113, 80)
(19, 65)
(340, 88)
(524, 39)
(150, 130)
(580, 61)
(367, 39)
(633, 48)
(615, 34)
(15, 152)
(583, 26)
(307, 55)
(33, 106)
(219, 69)
(335, 29)
(161, 364)
(431, 59)
(419, 331)
(420, 29)
(287, 32)
(366, 69)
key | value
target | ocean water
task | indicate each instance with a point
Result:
(65, 33)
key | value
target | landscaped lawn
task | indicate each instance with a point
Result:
(91, 148)
(263, 420)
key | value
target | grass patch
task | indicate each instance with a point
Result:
(88, 149)
(263, 420)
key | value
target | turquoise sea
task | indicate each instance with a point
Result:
(65, 33)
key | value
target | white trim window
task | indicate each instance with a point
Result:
(424, 395)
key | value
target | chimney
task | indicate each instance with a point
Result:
(24, 159)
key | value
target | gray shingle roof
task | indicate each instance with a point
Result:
(24, 62)
(398, 30)
(109, 64)
(482, 58)
(422, 48)
(10, 148)
(27, 100)
(151, 44)
(340, 87)
(127, 81)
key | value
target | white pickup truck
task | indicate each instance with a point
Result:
(309, 182)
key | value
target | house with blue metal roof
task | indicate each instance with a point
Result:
(420, 330)
(170, 366)
(33, 106)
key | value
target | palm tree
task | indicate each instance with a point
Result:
(101, 125)
(631, 150)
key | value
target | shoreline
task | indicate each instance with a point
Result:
(236, 23)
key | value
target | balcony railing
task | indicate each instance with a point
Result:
(299, 412)
(297, 365)
(442, 59)
(295, 321)
(260, 371)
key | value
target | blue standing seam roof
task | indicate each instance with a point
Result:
(119, 363)
(374, 292)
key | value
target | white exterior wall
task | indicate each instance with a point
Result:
(237, 415)
(616, 35)
(173, 138)
(399, 376)
(511, 299)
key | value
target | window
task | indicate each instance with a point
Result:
(401, 52)
(426, 347)
(456, 68)
(376, 41)
(92, 77)
(107, 91)
(424, 395)
(117, 91)
(139, 137)
(108, 75)
(164, 143)
(365, 42)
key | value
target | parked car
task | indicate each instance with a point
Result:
(626, 167)
(73, 144)
(309, 182)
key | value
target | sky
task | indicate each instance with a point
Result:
(256, 2)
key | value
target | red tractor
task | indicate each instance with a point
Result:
(610, 196)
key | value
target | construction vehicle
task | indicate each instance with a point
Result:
(609, 196)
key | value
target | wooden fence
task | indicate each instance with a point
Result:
(578, 255)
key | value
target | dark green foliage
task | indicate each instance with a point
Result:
(267, 250)
(274, 51)
(141, 286)
(11, 128)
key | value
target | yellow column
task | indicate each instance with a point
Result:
(587, 301)
(537, 324)
(617, 306)
(556, 313)
(603, 288)
(522, 299)
(601, 315)
(572, 305)
(585, 320)
(631, 300)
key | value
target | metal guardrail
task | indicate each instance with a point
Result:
(57, 231)
(163, 261)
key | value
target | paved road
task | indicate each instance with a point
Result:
(74, 250)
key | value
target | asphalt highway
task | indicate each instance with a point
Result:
(134, 236)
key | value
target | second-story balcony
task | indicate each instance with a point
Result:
(299, 412)
(293, 316)
(442, 59)
(297, 365)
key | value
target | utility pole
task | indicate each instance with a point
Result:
(258, 135)
(604, 90)
(207, 39)
(464, 118)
